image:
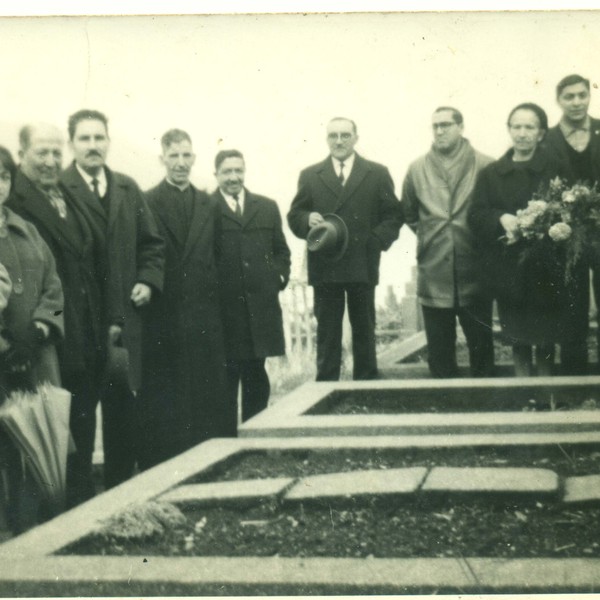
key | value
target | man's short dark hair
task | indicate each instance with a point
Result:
(174, 136)
(539, 112)
(571, 80)
(456, 114)
(86, 114)
(354, 128)
(224, 154)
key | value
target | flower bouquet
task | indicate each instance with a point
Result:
(567, 217)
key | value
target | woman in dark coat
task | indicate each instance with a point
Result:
(528, 286)
(32, 323)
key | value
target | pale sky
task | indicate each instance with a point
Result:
(268, 84)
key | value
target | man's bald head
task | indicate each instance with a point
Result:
(41, 149)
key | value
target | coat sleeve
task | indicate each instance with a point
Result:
(281, 251)
(484, 215)
(390, 217)
(301, 207)
(410, 202)
(51, 302)
(150, 259)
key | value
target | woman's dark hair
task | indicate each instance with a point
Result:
(7, 162)
(534, 108)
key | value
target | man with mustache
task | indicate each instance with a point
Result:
(254, 266)
(183, 383)
(130, 263)
(39, 197)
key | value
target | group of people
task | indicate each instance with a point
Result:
(462, 206)
(162, 305)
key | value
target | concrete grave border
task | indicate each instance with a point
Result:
(28, 561)
(288, 416)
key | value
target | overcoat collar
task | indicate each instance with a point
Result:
(251, 206)
(199, 218)
(31, 201)
(343, 192)
(75, 183)
(536, 164)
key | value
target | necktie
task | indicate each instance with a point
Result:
(238, 208)
(96, 188)
(58, 202)
(341, 177)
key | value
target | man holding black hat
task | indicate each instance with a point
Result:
(254, 266)
(347, 211)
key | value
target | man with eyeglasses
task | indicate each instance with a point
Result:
(435, 200)
(361, 193)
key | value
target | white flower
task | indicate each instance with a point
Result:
(537, 206)
(559, 232)
(568, 197)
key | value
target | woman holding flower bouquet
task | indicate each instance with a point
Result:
(523, 265)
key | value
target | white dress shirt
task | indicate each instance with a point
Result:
(348, 164)
(101, 177)
(231, 201)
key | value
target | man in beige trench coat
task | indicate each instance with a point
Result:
(435, 199)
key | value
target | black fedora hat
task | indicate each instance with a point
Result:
(329, 238)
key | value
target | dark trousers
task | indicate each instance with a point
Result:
(329, 305)
(120, 433)
(256, 387)
(440, 329)
(84, 388)
(574, 350)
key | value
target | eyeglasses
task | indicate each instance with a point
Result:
(444, 125)
(334, 136)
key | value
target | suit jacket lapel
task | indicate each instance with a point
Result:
(34, 203)
(115, 192)
(358, 173)
(164, 213)
(251, 206)
(226, 211)
(199, 220)
(329, 178)
(74, 182)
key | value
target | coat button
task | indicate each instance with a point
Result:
(17, 288)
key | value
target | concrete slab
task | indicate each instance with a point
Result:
(582, 489)
(237, 493)
(191, 576)
(373, 482)
(289, 416)
(536, 483)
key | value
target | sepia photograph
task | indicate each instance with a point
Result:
(300, 303)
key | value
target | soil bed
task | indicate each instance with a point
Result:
(374, 526)
(379, 530)
(489, 399)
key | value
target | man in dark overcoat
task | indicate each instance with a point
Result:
(575, 143)
(183, 383)
(254, 266)
(361, 193)
(40, 198)
(130, 268)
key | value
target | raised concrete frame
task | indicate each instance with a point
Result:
(288, 416)
(28, 560)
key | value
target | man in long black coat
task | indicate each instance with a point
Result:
(130, 267)
(41, 199)
(183, 383)
(574, 143)
(254, 266)
(361, 193)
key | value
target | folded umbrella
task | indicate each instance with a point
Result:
(38, 424)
